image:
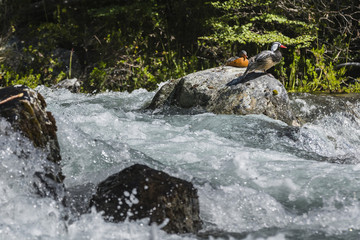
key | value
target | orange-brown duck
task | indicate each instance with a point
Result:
(241, 61)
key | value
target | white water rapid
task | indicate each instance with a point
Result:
(256, 177)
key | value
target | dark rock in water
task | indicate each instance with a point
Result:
(25, 110)
(73, 85)
(222, 91)
(139, 192)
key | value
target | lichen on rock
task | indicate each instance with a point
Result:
(210, 90)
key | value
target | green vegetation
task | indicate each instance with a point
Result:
(307, 28)
(124, 45)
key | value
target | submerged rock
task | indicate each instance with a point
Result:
(25, 110)
(141, 192)
(222, 91)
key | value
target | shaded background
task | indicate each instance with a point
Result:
(125, 45)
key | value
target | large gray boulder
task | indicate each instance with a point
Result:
(222, 91)
(141, 192)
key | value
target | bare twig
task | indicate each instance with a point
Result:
(11, 98)
(354, 64)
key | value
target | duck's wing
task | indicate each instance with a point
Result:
(262, 61)
(231, 61)
(264, 55)
(251, 66)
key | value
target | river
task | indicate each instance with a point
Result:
(257, 178)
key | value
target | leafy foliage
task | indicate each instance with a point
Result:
(123, 45)
(253, 31)
(312, 54)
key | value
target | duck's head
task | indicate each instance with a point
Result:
(275, 46)
(243, 54)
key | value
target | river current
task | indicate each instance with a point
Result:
(257, 178)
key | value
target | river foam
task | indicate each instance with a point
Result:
(257, 178)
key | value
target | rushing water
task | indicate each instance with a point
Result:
(257, 178)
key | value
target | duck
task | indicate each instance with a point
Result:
(265, 59)
(241, 61)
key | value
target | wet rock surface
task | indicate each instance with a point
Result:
(141, 192)
(210, 90)
(24, 108)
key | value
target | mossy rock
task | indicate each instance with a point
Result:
(24, 108)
